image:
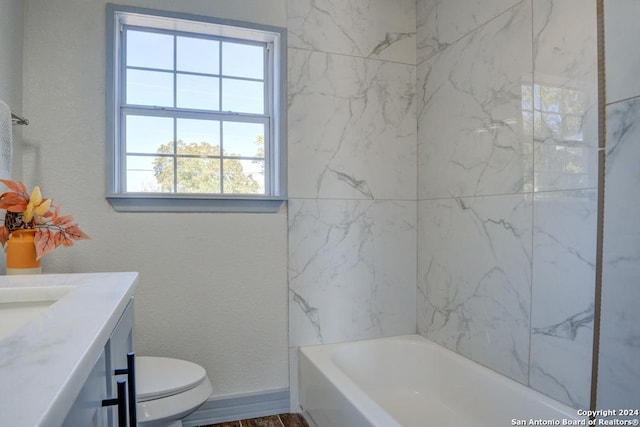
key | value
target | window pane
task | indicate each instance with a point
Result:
(198, 92)
(149, 88)
(149, 134)
(149, 50)
(149, 174)
(242, 96)
(197, 175)
(198, 55)
(199, 137)
(241, 60)
(243, 139)
(243, 177)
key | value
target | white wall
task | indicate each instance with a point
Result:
(213, 287)
(11, 26)
(11, 23)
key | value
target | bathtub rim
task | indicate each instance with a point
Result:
(322, 354)
(343, 384)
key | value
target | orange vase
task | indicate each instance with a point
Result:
(21, 253)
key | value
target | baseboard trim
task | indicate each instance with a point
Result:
(308, 419)
(239, 407)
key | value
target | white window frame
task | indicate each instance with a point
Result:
(275, 143)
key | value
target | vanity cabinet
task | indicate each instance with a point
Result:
(101, 385)
(119, 345)
(86, 409)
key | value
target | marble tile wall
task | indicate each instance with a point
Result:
(352, 170)
(352, 269)
(565, 198)
(471, 138)
(376, 29)
(506, 188)
(474, 278)
(621, 55)
(562, 295)
(352, 127)
(442, 22)
(507, 144)
(619, 370)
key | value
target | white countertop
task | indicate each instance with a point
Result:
(44, 364)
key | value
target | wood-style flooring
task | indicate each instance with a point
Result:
(282, 420)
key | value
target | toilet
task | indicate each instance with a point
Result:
(168, 390)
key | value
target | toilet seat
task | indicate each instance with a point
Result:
(158, 377)
(168, 390)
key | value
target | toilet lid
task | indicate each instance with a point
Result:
(158, 377)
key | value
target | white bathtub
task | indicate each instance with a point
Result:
(410, 381)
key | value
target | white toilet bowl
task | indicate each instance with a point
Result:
(168, 390)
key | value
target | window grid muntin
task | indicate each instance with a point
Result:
(176, 113)
(267, 62)
(228, 117)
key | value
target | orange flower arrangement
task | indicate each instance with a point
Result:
(31, 211)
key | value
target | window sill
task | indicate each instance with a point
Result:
(162, 203)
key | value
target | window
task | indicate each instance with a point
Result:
(195, 113)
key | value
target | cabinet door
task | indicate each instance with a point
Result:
(120, 343)
(87, 410)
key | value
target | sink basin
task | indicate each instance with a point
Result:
(20, 305)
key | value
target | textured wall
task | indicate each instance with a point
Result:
(507, 186)
(212, 286)
(619, 370)
(11, 23)
(11, 26)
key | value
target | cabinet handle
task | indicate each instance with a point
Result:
(131, 373)
(120, 401)
(133, 404)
